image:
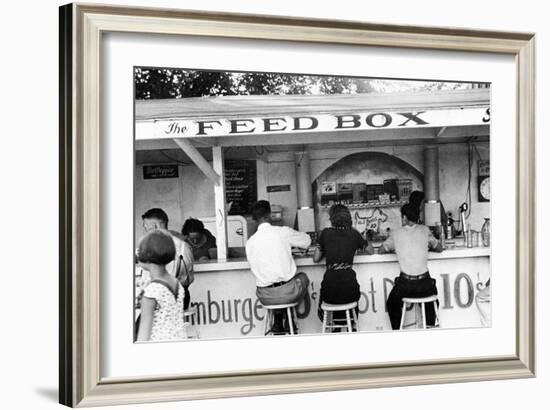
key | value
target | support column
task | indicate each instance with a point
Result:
(432, 207)
(303, 180)
(305, 214)
(219, 204)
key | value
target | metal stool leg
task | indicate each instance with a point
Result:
(348, 320)
(354, 313)
(424, 324)
(290, 322)
(325, 318)
(403, 311)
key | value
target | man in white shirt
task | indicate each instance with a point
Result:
(411, 243)
(182, 266)
(269, 253)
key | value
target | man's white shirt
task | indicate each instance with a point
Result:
(269, 253)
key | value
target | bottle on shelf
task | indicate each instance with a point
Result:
(486, 232)
(450, 234)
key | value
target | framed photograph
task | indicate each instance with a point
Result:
(256, 205)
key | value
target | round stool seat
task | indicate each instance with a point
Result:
(285, 306)
(338, 308)
(421, 300)
(420, 310)
(329, 321)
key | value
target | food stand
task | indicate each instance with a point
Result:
(304, 153)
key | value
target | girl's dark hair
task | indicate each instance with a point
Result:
(192, 225)
(411, 211)
(340, 216)
(416, 198)
(261, 210)
(156, 247)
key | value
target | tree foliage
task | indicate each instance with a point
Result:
(156, 83)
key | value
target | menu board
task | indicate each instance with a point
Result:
(241, 187)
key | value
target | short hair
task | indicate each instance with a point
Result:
(192, 225)
(416, 198)
(412, 212)
(340, 216)
(156, 247)
(156, 213)
(260, 210)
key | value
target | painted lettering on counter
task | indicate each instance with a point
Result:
(469, 287)
(365, 303)
(461, 278)
(456, 290)
(228, 311)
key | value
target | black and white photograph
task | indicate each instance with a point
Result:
(277, 204)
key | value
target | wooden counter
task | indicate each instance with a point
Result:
(225, 292)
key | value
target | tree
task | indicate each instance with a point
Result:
(155, 83)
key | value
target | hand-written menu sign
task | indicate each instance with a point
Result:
(240, 185)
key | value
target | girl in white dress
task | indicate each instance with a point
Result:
(162, 302)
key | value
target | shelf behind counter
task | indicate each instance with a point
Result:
(242, 264)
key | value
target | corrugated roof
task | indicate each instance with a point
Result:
(234, 106)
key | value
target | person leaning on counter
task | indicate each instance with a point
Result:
(269, 253)
(411, 243)
(199, 238)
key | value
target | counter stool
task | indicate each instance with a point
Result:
(420, 310)
(290, 310)
(190, 315)
(328, 322)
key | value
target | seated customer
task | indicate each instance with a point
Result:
(200, 238)
(269, 253)
(411, 243)
(339, 244)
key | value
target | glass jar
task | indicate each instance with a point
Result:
(486, 232)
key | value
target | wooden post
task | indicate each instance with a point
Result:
(219, 204)
(199, 160)
(432, 207)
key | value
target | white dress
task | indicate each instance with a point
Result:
(168, 321)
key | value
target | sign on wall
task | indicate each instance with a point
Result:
(241, 187)
(160, 171)
(253, 125)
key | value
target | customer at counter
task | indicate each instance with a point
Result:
(339, 244)
(411, 243)
(417, 200)
(199, 238)
(182, 266)
(269, 253)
